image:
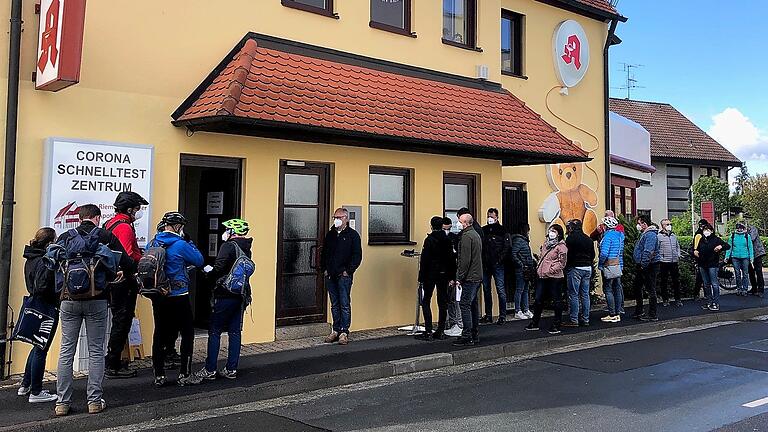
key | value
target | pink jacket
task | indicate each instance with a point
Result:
(552, 262)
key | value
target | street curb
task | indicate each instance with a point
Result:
(295, 386)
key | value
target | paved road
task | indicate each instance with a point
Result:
(696, 381)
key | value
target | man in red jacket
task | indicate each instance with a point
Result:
(123, 295)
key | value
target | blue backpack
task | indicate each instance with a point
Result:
(80, 275)
(241, 271)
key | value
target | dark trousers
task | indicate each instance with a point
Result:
(666, 271)
(442, 303)
(227, 317)
(549, 289)
(173, 315)
(645, 279)
(35, 369)
(699, 281)
(123, 306)
(470, 311)
(756, 275)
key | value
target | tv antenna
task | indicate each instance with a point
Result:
(631, 82)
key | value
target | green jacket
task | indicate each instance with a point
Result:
(470, 259)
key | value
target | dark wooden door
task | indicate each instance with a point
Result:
(514, 205)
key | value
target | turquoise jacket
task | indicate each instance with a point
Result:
(741, 247)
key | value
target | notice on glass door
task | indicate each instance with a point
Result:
(213, 245)
(215, 203)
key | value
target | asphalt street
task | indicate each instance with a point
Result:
(713, 379)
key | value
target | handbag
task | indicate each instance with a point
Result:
(612, 271)
(37, 322)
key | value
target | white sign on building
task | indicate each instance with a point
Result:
(81, 172)
(571, 53)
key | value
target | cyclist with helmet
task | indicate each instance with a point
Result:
(228, 307)
(123, 295)
(173, 313)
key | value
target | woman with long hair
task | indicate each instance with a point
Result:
(553, 256)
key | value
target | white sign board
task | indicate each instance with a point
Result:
(215, 203)
(570, 48)
(81, 172)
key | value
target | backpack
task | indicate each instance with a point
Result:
(150, 273)
(80, 275)
(237, 278)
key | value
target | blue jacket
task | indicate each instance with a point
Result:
(741, 247)
(647, 248)
(612, 247)
(178, 255)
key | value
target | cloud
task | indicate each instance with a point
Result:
(737, 133)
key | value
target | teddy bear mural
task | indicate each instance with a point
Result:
(572, 199)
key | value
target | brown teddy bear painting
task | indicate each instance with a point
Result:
(572, 200)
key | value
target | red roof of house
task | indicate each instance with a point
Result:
(603, 5)
(265, 86)
(673, 136)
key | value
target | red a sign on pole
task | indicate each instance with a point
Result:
(708, 211)
(59, 44)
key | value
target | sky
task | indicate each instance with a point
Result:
(708, 59)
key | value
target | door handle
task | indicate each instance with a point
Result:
(313, 257)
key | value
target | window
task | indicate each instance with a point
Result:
(389, 205)
(710, 172)
(511, 43)
(679, 182)
(624, 202)
(458, 192)
(459, 22)
(391, 15)
(322, 7)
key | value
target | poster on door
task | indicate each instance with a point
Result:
(78, 172)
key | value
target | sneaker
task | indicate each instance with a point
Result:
(43, 396)
(61, 409)
(343, 339)
(23, 391)
(616, 318)
(714, 307)
(706, 306)
(119, 373)
(475, 339)
(331, 338)
(622, 312)
(532, 327)
(520, 316)
(426, 336)
(552, 330)
(570, 324)
(486, 320)
(438, 335)
(649, 318)
(228, 374)
(608, 318)
(186, 380)
(501, 321)
(206, 375)
(528, 314)
(454, 331)
(97, 407)
(160, 381)
(464, 342)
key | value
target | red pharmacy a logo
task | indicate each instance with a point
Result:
(573, 51)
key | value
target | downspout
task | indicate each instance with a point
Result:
(606, 95)
(9, 176)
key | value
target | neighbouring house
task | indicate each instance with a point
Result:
(680, 152)
(630, 163)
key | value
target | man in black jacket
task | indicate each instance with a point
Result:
(581, 255)
(494, 253)
(341, 256)
(434, 273)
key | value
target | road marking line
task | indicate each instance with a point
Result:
(756, 403)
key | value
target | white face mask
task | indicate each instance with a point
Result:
(138, 215)
(459, 226)
(225, 235)
(668, 228)
(447, 231)
(639, 227)
(551, 235)
(707, 233)
(491, 221)
(337, 222)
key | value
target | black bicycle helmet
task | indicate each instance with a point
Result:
(128, 199)
(173, 218)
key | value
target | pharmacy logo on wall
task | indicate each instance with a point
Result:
(59, 44)
(67, 217)
(571, 53)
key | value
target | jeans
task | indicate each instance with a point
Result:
(72, 315)
(756, 275)
(173, 315)
(552, 289)
(227, 317)
(711, 285)
(123, 306)
(646, 280)
(339, 291)
(521, 291)
(454, 310)
(741, 270)
(614, 295)
(497, 272)
(35, 369)
(578, 294)
(442, 303)
(666, 270)
(470, 312)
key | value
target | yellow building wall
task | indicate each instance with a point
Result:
(140, 60)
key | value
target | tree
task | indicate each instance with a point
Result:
(682, 224)
(755, 200)
(738, 187)
(711, 189)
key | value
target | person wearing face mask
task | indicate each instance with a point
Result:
(434, 268)
(453, 323)
(646, 256)
(341, 256)
(550, 270)
(173, 313)
(581, 255)
(611, 263)
(756, 267)
(740, 254)
(495, 248)
(669, 252)
(697, 236)
(708, 255)
(123, 295)
(469, 275)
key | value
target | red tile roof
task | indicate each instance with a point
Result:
(285, 90)
(603, 5)
(673, 136)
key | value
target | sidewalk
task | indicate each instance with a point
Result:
(324, 365)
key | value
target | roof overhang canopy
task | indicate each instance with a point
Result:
(270, 87)
(630, 149)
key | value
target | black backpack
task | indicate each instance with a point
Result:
(150, 273)
(81, 275)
